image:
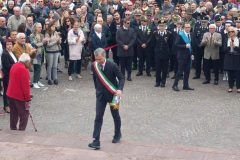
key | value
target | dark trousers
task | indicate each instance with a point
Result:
(232, 76)
(198, 61)
(135, 56)
(126, 64)
(37, 73)
(100, 109)
(207, 67)
(115, 57)
(65, 51)
(18, 112)
(144, 55)
(5, 87)
(77, 64)
(183, 69)
(172, 62)
(161, 70)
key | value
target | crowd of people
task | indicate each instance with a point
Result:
(139, 35)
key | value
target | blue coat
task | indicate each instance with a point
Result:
(97, 42)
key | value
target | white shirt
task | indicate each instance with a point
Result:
(99, 35)
(103, 65)
(13, 57)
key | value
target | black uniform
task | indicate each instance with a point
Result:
(144, 36)
(162, 43)
(198, 35)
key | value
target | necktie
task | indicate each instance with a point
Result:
(101, 67)
(189, 36)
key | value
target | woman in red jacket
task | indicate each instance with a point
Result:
(19, 92)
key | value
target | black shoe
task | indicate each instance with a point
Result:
(206, 82)
(66, 64)
(149, 74)
(196, 77)
(95, 145)
(188, 88)
(31, 85)
(173, 77)
(134, 68)
(162, 85)
(56, 82)
(50, 82)
(215, 83)
(129, 79)
(139, 74)
(116, 139)
(157, 85)
(175, 88)
(59, 71)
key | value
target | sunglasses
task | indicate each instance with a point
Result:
(4, 10)
(230, 31)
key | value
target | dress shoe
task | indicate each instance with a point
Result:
(149, 74)
(206, 82)
(129, 79)
(157, 85)
(50, 82)
(215, 83)
(175, 88)
(196, 77)
(162, 85)
(95, 145)
(116, 139)
(139, 74)
(56, 82)
(188, 88)
(173, 77)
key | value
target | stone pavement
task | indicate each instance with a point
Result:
(28, 146)
(208, 117)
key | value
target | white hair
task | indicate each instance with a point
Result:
(97, 26)
(99, 51)
(24, 58)
(19, 35)
(212, 25)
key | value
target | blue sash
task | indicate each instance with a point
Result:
(186, 39)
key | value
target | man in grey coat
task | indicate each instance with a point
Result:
(125, 38)
(15, 20)
(212, 42)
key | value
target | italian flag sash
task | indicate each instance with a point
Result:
(108, 85)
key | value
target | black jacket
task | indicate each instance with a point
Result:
(125, 37)
(182, 52)
(7, 62)
(97, 42)
(114, 75)
(144, 37)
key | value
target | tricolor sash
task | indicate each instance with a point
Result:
(108, 85)
(186, 39)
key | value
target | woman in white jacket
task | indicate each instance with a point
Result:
(76, 40)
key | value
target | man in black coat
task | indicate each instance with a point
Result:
(104, 96)
(125, 38)
(162, 42)
(183, 58)
(144, 36)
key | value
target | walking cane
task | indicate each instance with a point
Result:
(33, 122)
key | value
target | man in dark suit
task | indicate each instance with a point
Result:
(104, 96)
(183, 58)
(144, 36)
(98, 37)
(125, 38)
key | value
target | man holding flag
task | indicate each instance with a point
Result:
(184, 49)
(109, 83)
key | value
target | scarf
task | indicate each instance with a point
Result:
(235, 43)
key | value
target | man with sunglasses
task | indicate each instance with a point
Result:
(125, 38)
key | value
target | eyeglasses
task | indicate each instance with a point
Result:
(4, 10)
(127, 14)
(230, 31)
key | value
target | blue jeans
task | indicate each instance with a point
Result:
(52, 62)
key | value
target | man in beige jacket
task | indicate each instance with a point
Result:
(211, 41)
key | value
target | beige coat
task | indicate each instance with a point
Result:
(212, 45)
(75, 48)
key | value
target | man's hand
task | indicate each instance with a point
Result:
(125, 47)
(188, 45)
(144, 45)
(119, 93)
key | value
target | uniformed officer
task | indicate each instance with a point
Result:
(199, 51)
(189, 19)
(162, 43)
(144, 36)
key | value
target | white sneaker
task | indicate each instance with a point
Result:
(70, 78)
(35, 85)
(40, 84)
(79, 76)
(224, 77)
